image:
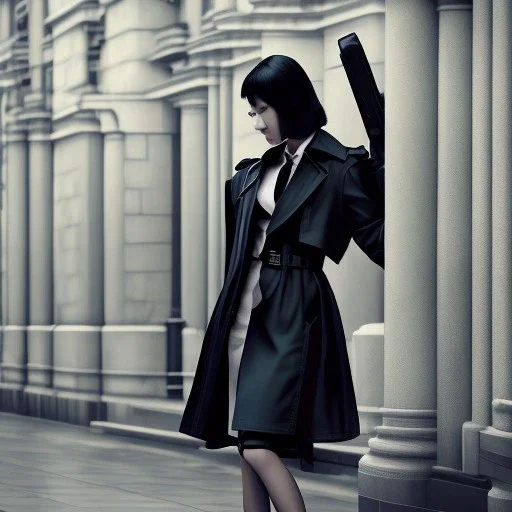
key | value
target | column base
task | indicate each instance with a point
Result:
(79, 408)
(12, 398)
(471, 447)
(401, 457)
(41, 402)
(134, 360)
(500, 498)
(76, 358)
(447, 490)
(14, 354)
(39, 355)
(496, 463)
(70, 407)
(175, 358)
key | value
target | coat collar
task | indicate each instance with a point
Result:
(322, 142)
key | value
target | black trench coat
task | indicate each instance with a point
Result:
(294, 373)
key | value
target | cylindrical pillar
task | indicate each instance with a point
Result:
(39, 337)
(454, 230)
(194, 229)
(78, 271)
(113, 208)
(401, 457)
(481, 235)
(191, 13)
(5, 20)
(214, 198)
(226, 149)
(15, 331)
(502, 202)
(36, 36)
(495, 453)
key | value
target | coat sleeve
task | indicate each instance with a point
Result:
(363, 208)
(229, 223)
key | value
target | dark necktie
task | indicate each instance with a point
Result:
(282, 178)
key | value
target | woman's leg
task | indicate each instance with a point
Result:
(255, 495)
(278, 481)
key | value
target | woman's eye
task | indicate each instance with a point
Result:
(263, 110)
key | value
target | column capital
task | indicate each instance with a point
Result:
(40, 131)
(114, 135)
(16, 131)
(191, 102)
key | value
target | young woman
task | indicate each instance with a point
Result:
(273, 375)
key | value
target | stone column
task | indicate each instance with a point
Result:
(39, 337)
(113, 204)
(40, 357)
(78, 268)
(496, 441)
(454, 230)
(138, 160)
(481, 236)
(36, 36)
(190, 13)
(214, 197)
(5, 20)
(194, 229)
(401, 457)
(14, 357)
(225, 149)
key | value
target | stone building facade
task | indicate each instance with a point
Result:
(120, 121)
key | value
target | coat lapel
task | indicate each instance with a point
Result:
(307, 177)
(303, 183)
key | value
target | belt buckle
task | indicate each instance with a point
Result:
(274, 258)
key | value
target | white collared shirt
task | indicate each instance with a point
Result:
(269, 179)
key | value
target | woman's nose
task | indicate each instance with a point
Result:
(258, 123)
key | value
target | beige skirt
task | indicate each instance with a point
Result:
(251, 297)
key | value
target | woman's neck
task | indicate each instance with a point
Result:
(293, 144)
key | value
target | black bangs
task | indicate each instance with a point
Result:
(283, 84)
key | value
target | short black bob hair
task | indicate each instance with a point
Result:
(281, 82)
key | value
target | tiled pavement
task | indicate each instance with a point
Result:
(48, 466)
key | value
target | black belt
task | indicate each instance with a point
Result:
(274, 258)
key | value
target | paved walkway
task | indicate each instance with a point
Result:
(48, 466)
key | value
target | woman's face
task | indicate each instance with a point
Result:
(266, 121)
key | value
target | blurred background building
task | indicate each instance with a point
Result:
(120, 121)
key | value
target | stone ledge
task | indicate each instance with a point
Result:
(144, 433)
